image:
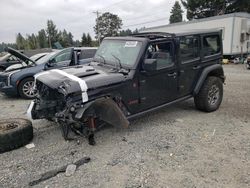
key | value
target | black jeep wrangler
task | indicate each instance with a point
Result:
(131, 76)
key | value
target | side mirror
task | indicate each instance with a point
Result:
(150, 65)
(49, 64)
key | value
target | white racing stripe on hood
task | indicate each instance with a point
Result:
(81, 82)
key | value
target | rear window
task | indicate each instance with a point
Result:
(211, 45)
(189, 48)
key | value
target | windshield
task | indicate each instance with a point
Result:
(37, 56)
(46, 58)
(112, 50)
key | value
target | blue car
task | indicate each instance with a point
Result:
(18, 80)
(10, 59)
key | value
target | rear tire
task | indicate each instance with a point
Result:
(210, 95)
(26, 88)
(14, 134)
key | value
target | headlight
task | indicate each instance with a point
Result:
(9, 77)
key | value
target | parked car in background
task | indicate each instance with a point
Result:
(33, 58)
(12, 58)
(20, 81)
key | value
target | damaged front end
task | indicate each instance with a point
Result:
(67, 103)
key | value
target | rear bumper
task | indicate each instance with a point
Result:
(8, 90)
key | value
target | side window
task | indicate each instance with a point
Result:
(189, 48)
(63, 56)
(163, 53)
(211, 45)
(87, 53)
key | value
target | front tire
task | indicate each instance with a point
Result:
(26, 88)
(14, 133)
(210, 95)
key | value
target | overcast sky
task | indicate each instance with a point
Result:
(76, 16)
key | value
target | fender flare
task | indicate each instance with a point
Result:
(218, 71)
(106, 109)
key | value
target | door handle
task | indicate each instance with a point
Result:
(174, 74)
(196, 67)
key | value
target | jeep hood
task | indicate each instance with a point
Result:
(78, 79)
(19, 55)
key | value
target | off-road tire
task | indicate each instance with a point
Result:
(15, 133)
(21, 86)
(203, 98)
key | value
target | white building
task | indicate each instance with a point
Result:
(235, 30)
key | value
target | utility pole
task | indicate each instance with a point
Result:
(97, 24)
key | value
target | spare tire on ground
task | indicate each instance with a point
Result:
(15, 133)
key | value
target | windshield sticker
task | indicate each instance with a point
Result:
(130, 44)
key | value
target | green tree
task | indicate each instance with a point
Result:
(52, 32)
(84, 39)
(70, 39)
(205, 8)
(125, 32)
(20, 42)
(201, 8)
(89, 40)
(77, 43)
(136, 31)
(60, 38)
(107, 25)
(32, 42)
(238, 6)
(176, 13)
(4, 45)
(42, 39)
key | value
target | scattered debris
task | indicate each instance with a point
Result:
(171, 154)
(214, 132)
(53, 173)
(70, 170)
(73, 152)
(124, 139)
(30, 146)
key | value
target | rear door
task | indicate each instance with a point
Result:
(189, 63)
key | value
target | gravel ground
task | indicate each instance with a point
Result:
(175, 147)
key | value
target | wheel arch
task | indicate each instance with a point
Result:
(106, 109)
(19, 81)
(214, 70)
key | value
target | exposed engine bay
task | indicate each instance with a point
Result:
(63, 98)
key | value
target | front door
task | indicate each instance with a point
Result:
(63, 59)
(158, 85)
